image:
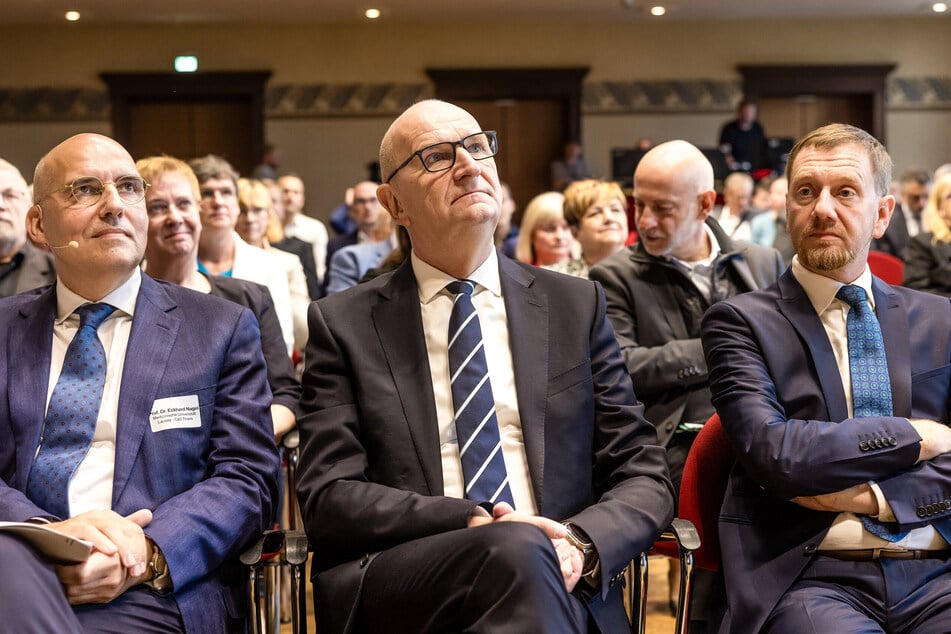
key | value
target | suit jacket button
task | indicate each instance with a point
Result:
(920, 511)
(863, 445)
(892, 441)
(365, 560)
(929, 509)
(878, 443)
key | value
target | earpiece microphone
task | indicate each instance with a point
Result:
(72, 244)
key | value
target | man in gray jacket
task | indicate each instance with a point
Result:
(658, 289)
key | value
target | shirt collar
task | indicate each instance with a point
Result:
(821, 290)
(431, 281)
(714, 251)
(122, 298)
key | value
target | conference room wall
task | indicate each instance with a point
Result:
(330, 151)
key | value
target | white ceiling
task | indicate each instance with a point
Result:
(218, 11)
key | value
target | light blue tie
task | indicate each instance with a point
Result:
(477, 428)
(72, 414)
(871, 389)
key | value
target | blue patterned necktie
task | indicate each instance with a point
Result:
(72, 414)
(477, 428)
(871, 389)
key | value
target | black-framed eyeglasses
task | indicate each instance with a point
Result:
(439, 157)
(87, 190)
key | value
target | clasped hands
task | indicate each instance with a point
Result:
(119, 559)
(569, 557)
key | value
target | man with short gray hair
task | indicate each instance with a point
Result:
(22, 266)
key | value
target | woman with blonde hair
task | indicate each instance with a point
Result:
(544, 238)
(928, 260)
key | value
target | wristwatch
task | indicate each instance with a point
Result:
(576, 537)
(161, 577)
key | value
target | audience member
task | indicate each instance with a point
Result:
(596, 212)
(172, 470)
(171, 252)
(760, 200)
(412, 537)
(928, 261)
(364, 209)
(506, 233)
(544, 237)
(254, 220)
(221, 251)
(22, 266)
(906, 221)
(657, 291)
(277, 239)
(298, 224)
(270, 162)
(769, 229)
(833, 389)
(349, 264)
(572, 167)
(743, 140)
(735, 214)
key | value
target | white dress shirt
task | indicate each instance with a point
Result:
(436, 307)
(91, 485)
(847, 532)
(313, 231)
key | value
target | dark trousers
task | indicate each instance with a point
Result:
(887, 595)
(502, 577)
(32, 600)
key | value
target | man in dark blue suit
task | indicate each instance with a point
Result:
(180, 472)
(403, 542)
(837, 516)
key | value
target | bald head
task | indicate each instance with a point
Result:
(450, 213)
(673, 195)
(396, 144)
(108, 232)
(14, 202)
(683, 162)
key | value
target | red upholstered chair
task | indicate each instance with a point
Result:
(887, 267)
(702, 488)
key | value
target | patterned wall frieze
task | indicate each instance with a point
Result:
(918, 93)
(606, 97)
(289, 101)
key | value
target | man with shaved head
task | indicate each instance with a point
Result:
(134, 416)
(658, 289)
(22, 266)
(474, 458)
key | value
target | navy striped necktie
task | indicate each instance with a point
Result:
(477, 428)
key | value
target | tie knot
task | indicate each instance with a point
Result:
(93, 315)
(853, 295)
(461, 287)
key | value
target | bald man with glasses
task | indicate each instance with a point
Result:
(134, 415)
(473, 455)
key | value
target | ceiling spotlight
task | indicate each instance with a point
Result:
(372, 14)
(939, 7)
(72, 16)
(658, 11)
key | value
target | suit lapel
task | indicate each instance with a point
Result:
(526, 310)
(894, 323)
(396, 317)
(30, 337)
(796, 307)
(661, 293)
(153, 334)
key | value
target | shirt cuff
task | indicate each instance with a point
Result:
(885, 513)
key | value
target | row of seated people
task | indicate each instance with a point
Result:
(473, 453)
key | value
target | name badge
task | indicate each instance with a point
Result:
(175, 412)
